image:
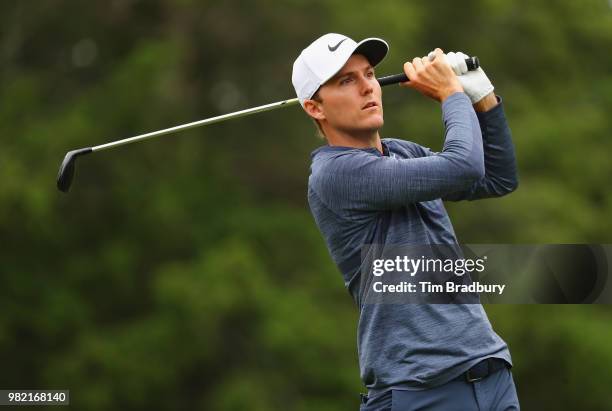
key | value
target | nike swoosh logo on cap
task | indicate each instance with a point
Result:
(332, 49)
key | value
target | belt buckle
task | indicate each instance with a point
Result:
(472, 379)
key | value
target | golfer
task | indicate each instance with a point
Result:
(363, 190)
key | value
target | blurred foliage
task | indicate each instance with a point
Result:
(187, 273)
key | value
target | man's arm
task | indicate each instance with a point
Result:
(501, 176)
(362, 180)
(487, 103)
(500, 164)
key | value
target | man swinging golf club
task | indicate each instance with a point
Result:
(363, 189)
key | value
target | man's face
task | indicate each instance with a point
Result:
(352, 99)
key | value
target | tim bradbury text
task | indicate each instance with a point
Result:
(428, 287)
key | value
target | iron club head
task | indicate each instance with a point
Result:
(66, 171)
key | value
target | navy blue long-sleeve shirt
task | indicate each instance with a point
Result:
(360, 196)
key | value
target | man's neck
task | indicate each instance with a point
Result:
(366, 139)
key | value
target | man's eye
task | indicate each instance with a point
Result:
(345, 80)
(370, 74)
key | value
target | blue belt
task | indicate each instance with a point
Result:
(476, 373)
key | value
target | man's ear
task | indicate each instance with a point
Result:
(314, 109)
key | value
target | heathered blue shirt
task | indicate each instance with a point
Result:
(351, 190)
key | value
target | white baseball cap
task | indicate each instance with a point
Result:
(325, 56)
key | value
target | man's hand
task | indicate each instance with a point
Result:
(432, 77)
(475, 83)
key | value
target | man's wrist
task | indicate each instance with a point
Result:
(486, 103)
(456, 98)
(450, 91)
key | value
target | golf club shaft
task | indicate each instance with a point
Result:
(236, 114)
(472, 64)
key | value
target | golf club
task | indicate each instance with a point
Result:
(67, 168)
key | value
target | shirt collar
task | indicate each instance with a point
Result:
(386, 152)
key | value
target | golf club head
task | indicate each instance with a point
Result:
(66, 171)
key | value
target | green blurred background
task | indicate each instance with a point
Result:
(187, 273)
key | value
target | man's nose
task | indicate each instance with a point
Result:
(365, 85)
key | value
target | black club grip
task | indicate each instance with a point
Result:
(472, 64)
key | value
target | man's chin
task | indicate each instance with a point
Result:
(375, 123)
(370, 125)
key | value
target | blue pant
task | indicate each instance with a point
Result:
(494, 393)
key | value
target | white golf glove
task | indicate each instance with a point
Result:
(475, 83)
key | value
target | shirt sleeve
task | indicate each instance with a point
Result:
(501, 175)
(362, 180)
